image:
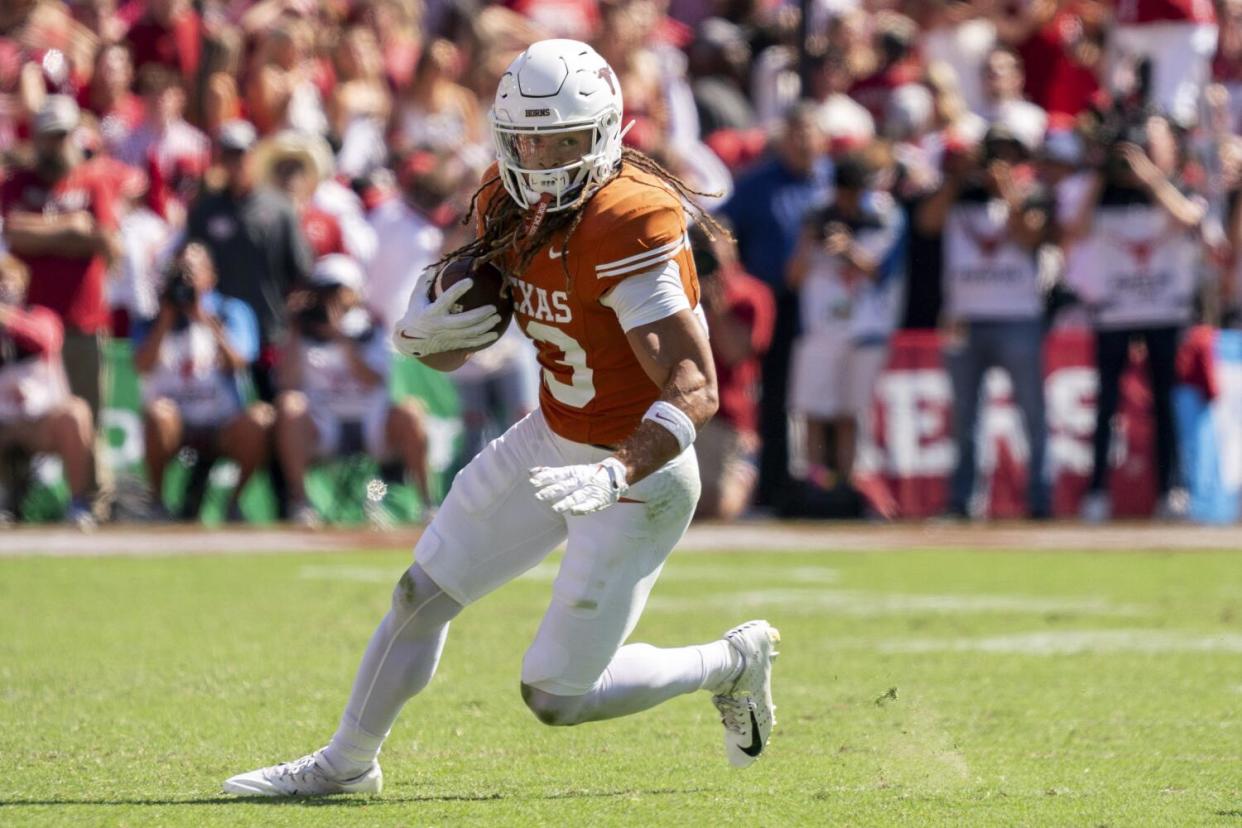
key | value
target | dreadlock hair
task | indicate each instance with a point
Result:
(507, 227)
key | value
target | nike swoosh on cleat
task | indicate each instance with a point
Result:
(756, 741)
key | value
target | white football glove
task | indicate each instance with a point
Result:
(432, 328)
(580, 490)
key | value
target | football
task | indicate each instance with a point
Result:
(490, 288)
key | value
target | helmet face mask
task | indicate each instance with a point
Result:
(557, 124)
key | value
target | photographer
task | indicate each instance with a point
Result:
(38, 415)
(189, 361)
(846, 271)
(1138, 235)
(334, 375)
(994, 221)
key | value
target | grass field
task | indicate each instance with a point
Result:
(915, 688)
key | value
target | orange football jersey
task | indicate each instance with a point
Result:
(593, 389)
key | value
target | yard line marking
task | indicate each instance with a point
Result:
(864, 604)
(1069, 642)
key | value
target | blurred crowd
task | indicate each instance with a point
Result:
(247, 191)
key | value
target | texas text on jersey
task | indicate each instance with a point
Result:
(593, 388)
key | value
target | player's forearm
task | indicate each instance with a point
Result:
(690, 388)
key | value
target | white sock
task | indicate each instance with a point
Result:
(722, 664)
(399, 661)
(641, 676)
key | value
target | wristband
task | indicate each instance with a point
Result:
(674, 421)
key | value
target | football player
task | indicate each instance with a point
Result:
(594, 240)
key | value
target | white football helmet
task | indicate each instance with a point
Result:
(557, 87)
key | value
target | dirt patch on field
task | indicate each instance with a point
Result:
(771, 536)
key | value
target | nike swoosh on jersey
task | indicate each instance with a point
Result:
(756, 741)
(553, 253)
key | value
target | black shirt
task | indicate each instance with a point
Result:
(258, 250)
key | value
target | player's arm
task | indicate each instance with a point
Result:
(675, 354)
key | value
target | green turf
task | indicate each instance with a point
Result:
(908, 691)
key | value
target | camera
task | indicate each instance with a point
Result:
(1116, 130)
(179, 289)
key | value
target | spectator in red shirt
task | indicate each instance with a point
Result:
(741, 314)
(60, 220)
(170, 34)
(37, 414)
(108, 97)
(1064, 51)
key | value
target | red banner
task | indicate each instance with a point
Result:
(911, 452)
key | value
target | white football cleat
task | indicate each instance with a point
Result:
(746, 708)
(309, 776)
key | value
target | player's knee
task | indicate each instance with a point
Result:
(416, 594)
(411, 591)
(553, 710)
